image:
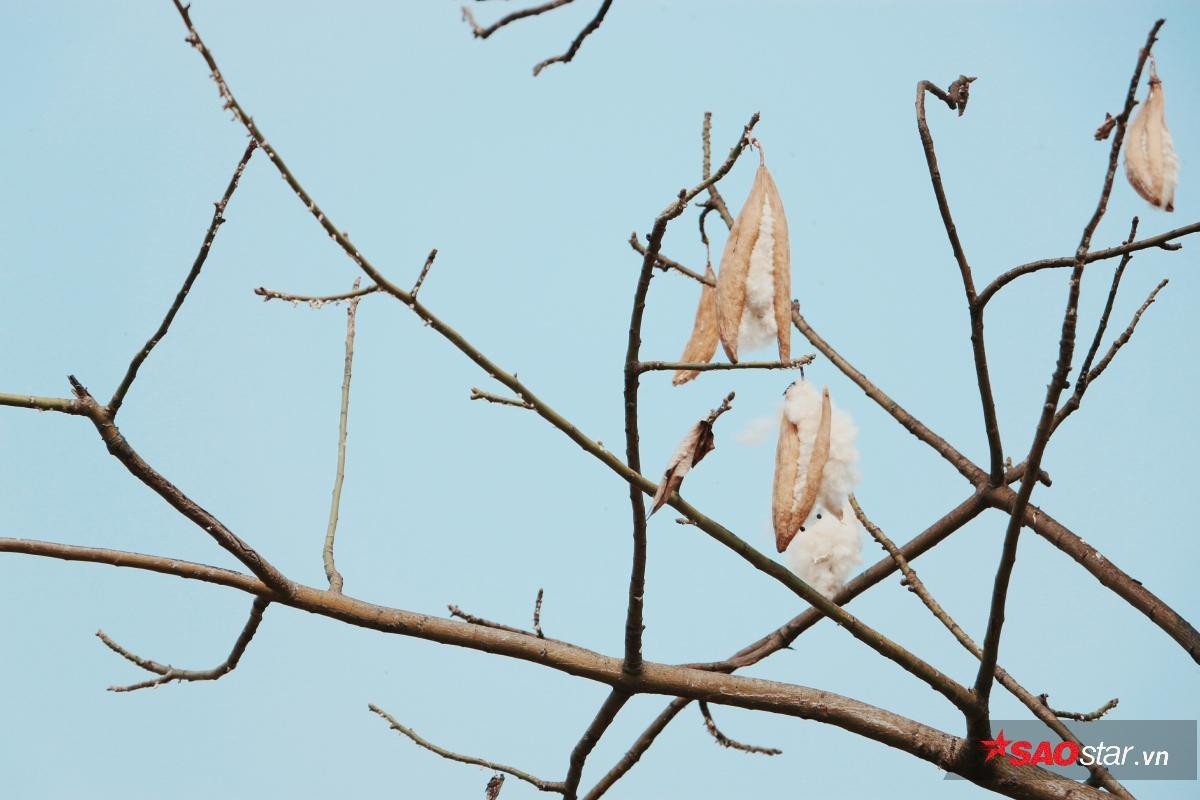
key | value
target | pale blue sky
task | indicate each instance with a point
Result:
(413, 135)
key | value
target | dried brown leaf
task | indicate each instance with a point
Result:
(695, 445)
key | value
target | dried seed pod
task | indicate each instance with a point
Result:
(794, 497)
(696, 444)
(1150, 161)
(703, 343)
(815, 461)
(754, 286)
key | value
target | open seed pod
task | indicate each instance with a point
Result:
(1150, 161)
(794, 494)
(816, 462)
(703, 343)
(754, 285)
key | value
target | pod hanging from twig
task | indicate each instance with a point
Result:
(815, 471)
(703, 342)
(754, 285)
(1150, 161)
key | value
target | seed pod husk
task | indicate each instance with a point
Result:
(703, 342)
(1150, 161)
(793, 501)
(754, 284)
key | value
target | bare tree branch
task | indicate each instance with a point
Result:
(637, 578)
(533, 780)
(482, 32)
(725, 741)
(120, 448)
(714, 194)
(957, 98)
(615, 701)
(1091, 375)
(979, 725)
(167, 673)
(1161, 241)
(480, 394)
(507, 19)
(912, 737)
(114, 405)
(671, 366)
(1080, 716)
(577, 42)
(1035, 704)
(537, 615)
(664, 263)
(312, 300)
(331, 571)
(783, 636)
(424, 271)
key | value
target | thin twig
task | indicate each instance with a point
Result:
(725, 741)
(1080, 716)
(577, 42)
(331, 572)
(537, 615)
(1081, 384)
(166, 673)
(957, 98)
(664, 263)
(671, 366)
(1098, 255)
(532, 11)
(455, 611)
(424, 271)
(480, 394)
(543, 785)
(714, 194)
(314, 301)
(114, 405)
(1117, 344)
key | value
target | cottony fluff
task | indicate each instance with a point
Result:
(758, 327)
(827, 549)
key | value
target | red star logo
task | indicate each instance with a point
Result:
(995, 747)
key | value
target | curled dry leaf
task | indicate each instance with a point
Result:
(754, 286)
(703, 343)
(793, 499)
(1150, 161)
(696, 444)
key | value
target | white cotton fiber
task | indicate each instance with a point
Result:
(802, 405)
(827, 549)
(758, 327)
